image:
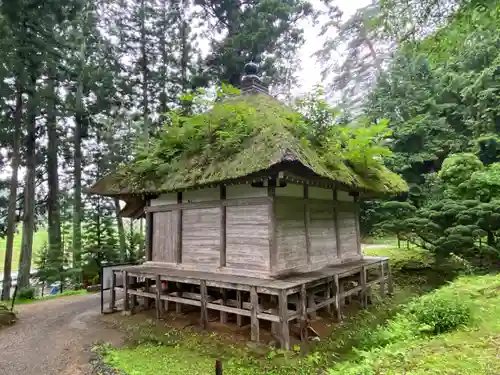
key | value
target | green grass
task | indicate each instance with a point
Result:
(44, 298)
(155, 348)
(39, 239)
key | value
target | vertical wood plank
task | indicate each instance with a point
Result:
(336, 224)
(307, 223)
(203, 298)
(239, 305)
(382, 281)
(178, 293)
(337, 304)
(303, 314)
(166, 290)
(390, 286)
(328, 294)
(364, 292)
(159, 304)
(357, 218)
(149, 233)
(312, 303)
(112, 302)
(284, 328)
(133, 303)
(273, 247)
(254, 324)
(223, 302)
(223, 220)
(146, 302)
(178, 250)
(126, 304)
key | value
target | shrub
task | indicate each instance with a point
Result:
(399, 328)
(439, 312)
(27, 293)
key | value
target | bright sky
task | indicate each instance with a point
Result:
(311, 69)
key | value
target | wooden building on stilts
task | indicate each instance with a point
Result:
(267, 230)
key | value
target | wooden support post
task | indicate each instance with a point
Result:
(203, 298)
(126, 305)
(273, 243)
(337, 304)
(223, 302)
(165, 303)
(307, 221)
(222, 256)
(328, 295)
(112, 302)
(149, 233)
(239, 305)
(284, 328)
(312, 303)
(390, 286)
(178, 306)
(364, 292)
(357, 218)
(254, 324)
(303, 314)
(159, 304)
(382, 279)
(146, 302)
(178, 245)
(336, 225)
(134, 297)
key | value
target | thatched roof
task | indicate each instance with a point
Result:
(203, 151)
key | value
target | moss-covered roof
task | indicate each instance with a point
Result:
(236, 138)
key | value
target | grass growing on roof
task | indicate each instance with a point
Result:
(245, 134)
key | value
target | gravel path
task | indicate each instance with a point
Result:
(54, 337)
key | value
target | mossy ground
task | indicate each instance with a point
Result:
(158, 349)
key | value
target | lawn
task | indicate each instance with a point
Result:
(39, 239)
(384, 339)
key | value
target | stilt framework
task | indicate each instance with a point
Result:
(294, 299)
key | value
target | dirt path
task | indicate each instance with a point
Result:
(54, 337)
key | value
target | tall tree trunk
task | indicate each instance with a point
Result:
(54, 215)
(121, 231)
(11, 213)
(144, 71)
(77, 172)
(29, 187)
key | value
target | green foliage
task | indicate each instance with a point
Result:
(27, 293)
(440, 312)
(245, 134)
(458, 168)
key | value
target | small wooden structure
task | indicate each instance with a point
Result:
(276, 244)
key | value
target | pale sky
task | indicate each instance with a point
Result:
(310, 74)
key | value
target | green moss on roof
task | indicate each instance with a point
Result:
(239, 136)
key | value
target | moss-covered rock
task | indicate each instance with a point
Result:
(7, 317)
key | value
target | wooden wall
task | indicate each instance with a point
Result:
(247, 237)
(165, 233)
(322, 232)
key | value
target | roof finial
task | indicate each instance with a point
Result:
(251, 82)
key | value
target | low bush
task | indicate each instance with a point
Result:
(399, 328)
(440, 312)
(26, 293)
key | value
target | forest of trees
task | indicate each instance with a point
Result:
(84, 82)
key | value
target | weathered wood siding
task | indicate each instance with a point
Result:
(290, 233)
(244, 191)
(169, 198)
(165, 232)
(348, 234)
(247, 237)
(322, 232)
(201, 236)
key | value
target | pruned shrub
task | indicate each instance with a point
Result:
(438, 312)
(27, 293)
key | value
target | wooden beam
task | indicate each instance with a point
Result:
(239, 305)
(307, 222)
(303, 314)
(112, 302)
(357, 218)
(328, 295)
(222, 226)
(364, 292)
(273, 244)
(254, 300)
(390, 285)
(149, 233)
(178, 245)
(251, 201)
(382, 279)
(159, 303)
(223, 302)
(283, 313)
(126, 305)
(337, 304)
(336, 225)
(133, 302)
(165, 303)
(203, 315)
